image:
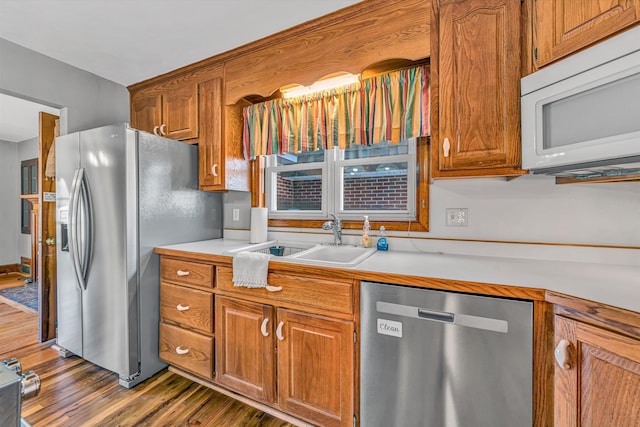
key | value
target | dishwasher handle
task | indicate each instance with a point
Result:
(440, 316)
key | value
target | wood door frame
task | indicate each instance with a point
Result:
(47, 227)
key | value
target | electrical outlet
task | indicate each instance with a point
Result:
(457, 217)
(236, 214)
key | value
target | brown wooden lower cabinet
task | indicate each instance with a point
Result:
(187, 350)
(244, 355)
(312, 372)
(315, 367)
(599, 384)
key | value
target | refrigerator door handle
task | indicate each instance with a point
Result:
(87, 247)
(73, 226)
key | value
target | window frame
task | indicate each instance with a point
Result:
(26, 188)
(421, 223)
(271, 176)
(340, 163)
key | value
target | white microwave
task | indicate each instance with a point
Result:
(581, 115)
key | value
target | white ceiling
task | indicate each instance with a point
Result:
(128, 41)
(19, 118)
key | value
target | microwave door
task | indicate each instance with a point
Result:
(592, 116)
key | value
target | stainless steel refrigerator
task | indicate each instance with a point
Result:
(120, 193)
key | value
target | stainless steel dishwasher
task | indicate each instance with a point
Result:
(434, 359)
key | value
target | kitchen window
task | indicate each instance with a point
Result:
(377, 180)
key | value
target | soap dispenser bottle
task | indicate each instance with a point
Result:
(382, 244)
(366, 240)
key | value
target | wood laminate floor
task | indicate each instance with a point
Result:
(77, 393)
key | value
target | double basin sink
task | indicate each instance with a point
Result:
(310, 253)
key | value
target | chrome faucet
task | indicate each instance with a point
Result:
(336, 226)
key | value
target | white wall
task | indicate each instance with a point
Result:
(530, 208)
(9, 203)
(86, 101)
(534, 209)
(90, 100)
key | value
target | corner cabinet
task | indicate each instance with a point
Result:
(299, 362)
(475, 82)
(563, 27)
(167, 110)
(597, 376)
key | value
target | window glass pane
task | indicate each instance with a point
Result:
(34, 179)
(25, 180)
(377, 186)
(377, 150)
(300, 158)
(299, 190)
(25, 225)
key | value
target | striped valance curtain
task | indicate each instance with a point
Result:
(389, 107)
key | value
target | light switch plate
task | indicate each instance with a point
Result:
(457, 217)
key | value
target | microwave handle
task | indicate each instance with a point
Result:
(446, 146)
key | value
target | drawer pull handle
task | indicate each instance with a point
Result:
(446, 146)
(561, 354)
(155, 130)
(182, 273)
(214, 170)
(162, 128)
(263, 327)
(274, 288)
(181, 307)
(181, 350)
(279, 331)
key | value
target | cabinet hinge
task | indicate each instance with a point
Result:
(355, 336)
(535, 53)
(198, 90)
(355, 421)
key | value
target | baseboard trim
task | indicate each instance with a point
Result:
(264, 408)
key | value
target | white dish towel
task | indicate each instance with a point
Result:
(250, 269)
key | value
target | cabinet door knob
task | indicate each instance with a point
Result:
(162, 128)
(274, 288)
(181, 350)
(263, 327)
(155, 130)
(181, 307)
(446, 147)
(561, 354)
(214, 170)
(182, 273)
(279, 331)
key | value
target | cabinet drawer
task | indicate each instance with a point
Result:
(333, 295)
(185, 272)
(189, 307)
(186, 349)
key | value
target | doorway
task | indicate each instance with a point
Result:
(27, 232)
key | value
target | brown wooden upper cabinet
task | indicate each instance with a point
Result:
(170, 111)
(475, 86)
(222, 164)
(565, 26)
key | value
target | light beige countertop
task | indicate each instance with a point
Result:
(612, 284)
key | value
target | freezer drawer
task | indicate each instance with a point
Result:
(434, 359)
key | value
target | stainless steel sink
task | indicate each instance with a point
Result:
(312, 253)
